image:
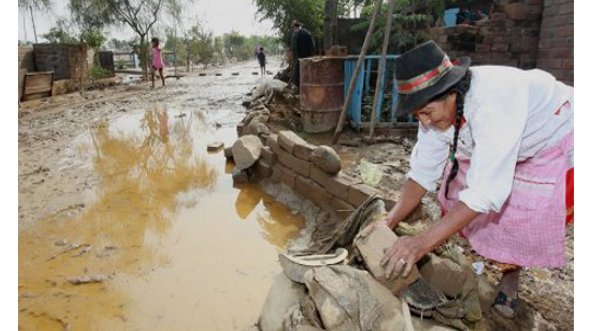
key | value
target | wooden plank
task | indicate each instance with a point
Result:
(37, 83)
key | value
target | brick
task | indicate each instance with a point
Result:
(287, 139)
(268, 156)
(297, 165)
(313, 192)
(277, 172)
(288, 177)
(358, 193)
(240, 176)
(568, 64)
(341, 208)
(516, 11)
(337, 185)
(566, 8)
(500, 48)
(303, 151)
(565, 31)
(483, 47)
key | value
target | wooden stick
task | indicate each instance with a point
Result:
(361, 59)
(382, 63)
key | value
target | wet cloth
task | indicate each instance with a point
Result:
(510, 116)
(529, 230)
(157, 62)
(351, 299)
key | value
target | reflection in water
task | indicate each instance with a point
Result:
(140, 178)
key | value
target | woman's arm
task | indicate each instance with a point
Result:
(407, 250)
(410, 197)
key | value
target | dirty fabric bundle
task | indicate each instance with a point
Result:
(350, 299)
(333, 233)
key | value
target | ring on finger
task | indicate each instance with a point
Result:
(401, 260)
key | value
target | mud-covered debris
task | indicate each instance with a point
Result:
(246, 151)
(240, 176)
(215, 146)
(88, 279)
(83, 251)
(326, 159)
(61, 242)
(180, 115)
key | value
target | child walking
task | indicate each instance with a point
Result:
(157, 62)
(262, 60)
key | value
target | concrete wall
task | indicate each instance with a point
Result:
(555, 49)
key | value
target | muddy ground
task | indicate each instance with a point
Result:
(126, 222)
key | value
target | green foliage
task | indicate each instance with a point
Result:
(93, 38)
(282, 12)
(410, 23)
(97, 72)
(59, 34)
(121, 64)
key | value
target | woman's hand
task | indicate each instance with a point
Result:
(403, 255)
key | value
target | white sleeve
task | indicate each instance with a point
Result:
(497, 128)
(428, 158)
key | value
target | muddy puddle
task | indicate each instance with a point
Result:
(164, 239)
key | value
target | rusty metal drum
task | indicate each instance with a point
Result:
(321, 92)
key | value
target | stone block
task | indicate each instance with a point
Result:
(240, 176)
(288, 177)
(303, 151)
(263, 170)
(313, 192)
(240, 129)
(287, 139)
(500, 47)
(228, 153)
(277, 173)
(445, 275)
(337, 185)
(297, 165)
(272, 143)
(246, 151)
(267, 155)
(358, 193)
(326, 159)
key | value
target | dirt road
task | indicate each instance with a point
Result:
(127, 223)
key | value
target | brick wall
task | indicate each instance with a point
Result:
(507, 38)
(555, 48)
(66, 60)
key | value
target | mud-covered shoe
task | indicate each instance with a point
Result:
(506, 306)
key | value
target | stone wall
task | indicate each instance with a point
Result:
(555, 50)
(288, 161)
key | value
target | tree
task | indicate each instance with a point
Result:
(60, 34)
(282, 12)
(411, 23)
(200, 49)
(37, 5)
(218, 50)
(140, 16)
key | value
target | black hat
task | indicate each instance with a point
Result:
(425, 72)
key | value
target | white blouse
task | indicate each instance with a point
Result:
(511, 114)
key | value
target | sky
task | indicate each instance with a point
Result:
(220, 16)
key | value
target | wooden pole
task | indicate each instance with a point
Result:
(361, 59)
(382, 63)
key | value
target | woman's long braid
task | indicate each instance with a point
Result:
(461, 89)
